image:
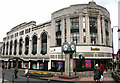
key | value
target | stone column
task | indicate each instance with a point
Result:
(23, 47)
(87, 28)
(68, 26)
(110, 35)
(81, 29)
(53, 34)
(17, 53)
(48, 44)
(30, 46)
(12, 47)
(63, 31)
(38, 46)
(99, 30)
(8, 48)
(103, 28)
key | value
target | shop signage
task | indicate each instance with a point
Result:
(74, 63)
(93, 10)
(95, 49)
(87, 63)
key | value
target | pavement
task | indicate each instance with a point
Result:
(84, 77)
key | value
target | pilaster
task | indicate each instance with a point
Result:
(99, 29)
(68, 23)
(81, 29)
(103, 28)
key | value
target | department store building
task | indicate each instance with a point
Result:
(32, 46)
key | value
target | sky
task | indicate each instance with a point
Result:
(15, 12)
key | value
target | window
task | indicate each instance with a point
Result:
(20, 46)
(11, 47)
(65, 31)
(15, 47)
(7, 48)
(75, 30)
(101, 31)
(11, 36)
(4, 49)
(58, 33)
(84, 32)
(34, 45)
(16, 34)
(93, 30)
(21, 32)
(26, 45)
(107, 33)
(44, 43)
(27, 31)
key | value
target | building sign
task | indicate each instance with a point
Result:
(93, 11)
(87, 63)
(74, 63)
(95, 49)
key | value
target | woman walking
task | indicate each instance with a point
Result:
(97, 74)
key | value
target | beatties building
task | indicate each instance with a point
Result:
(39, 46)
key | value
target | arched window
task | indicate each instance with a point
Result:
(11, 47)
(15, 47)
(7, 48)
(44, 43)
(26, 45)
(4, 49)
(34, 45)
(20, 46)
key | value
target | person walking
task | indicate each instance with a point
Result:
(97, 73)
(15, 72)
(102, 69)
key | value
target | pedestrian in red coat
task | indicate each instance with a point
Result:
(102, 69)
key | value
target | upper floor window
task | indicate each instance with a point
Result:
(93, 30)
(75, 30)
(107, 33)
(21, 32)
(58, 33)
(27, 30)
(16, 34)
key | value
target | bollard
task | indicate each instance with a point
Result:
(13, 78)
(2, 77)
(27, 79)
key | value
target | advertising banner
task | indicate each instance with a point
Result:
(87, 63)
(59, 64)
(74, 63)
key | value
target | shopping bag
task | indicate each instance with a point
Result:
(101, 79)
(104, 72)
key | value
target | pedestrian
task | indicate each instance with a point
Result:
(102, 70)
(26, 72)
(15, 72)
(97, 72)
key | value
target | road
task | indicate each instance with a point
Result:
(8, 75)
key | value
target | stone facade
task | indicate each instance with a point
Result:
(87, 25)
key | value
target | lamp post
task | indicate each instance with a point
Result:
(113, 46)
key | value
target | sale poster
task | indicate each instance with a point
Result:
(87, 63)
(74, 63)
(59, 64)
